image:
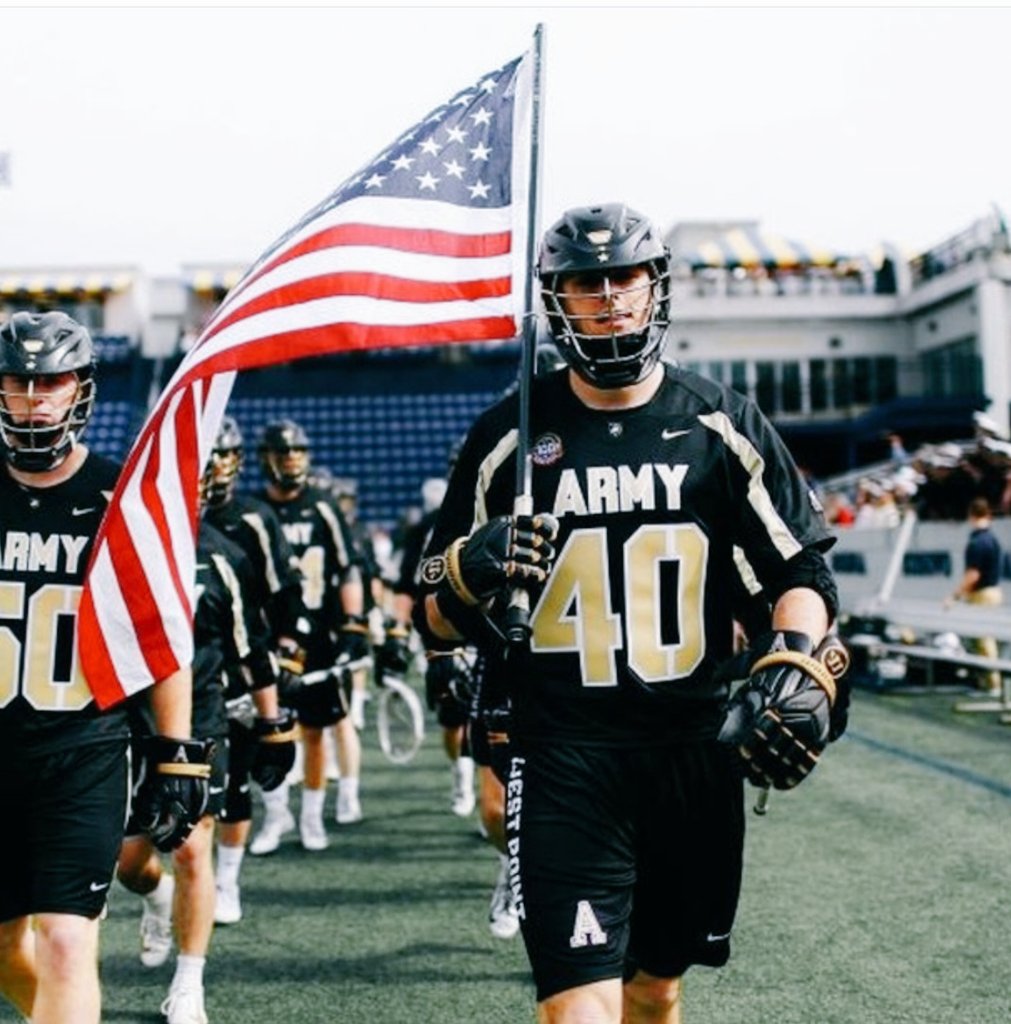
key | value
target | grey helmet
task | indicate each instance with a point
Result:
(34, 345)
(593, 240)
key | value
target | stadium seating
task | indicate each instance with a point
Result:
(388, 443)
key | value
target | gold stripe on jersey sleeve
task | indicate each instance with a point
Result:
(758, 495)
(330, 518)
(256, 523)
(239, 634)
(486, 473)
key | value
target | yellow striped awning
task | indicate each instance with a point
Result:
(63, 282)
(748, 247)
(212, 279)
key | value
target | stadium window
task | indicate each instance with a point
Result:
(790, 395)
(862, 381)
(715, 371)
(739, 376)
(886, 378)
(842, 383)
(765, 387)
(819, 385)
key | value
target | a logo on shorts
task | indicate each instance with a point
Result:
(98, 886)
(546, 450)
(587, 930)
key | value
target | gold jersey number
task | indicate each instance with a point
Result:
(29, 668)
(575, 613)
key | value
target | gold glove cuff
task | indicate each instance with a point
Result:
(192, 771)
(814, 668)
(278, 737)
(453, 574)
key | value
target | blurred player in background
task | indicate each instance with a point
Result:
(334, 599)
(274, 594)
(226, 634)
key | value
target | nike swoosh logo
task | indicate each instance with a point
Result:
(669, 435)
(717, 938)
(98, 886)
(82, 511)
(214, 790)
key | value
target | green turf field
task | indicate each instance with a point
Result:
(878, 892)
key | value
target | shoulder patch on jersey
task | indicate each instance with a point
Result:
(546, 450)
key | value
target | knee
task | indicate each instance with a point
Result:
(196, 853)
(65, 941)
(650, 998)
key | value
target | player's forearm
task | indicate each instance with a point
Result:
(353, 596)
(265, 699)
(801, 610)
(171, 702)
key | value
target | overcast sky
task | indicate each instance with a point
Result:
(156, 137)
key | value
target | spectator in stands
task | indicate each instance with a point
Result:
(980, 583)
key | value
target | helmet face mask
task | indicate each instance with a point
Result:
(47, 388)
(221, 474)
(605, 282)
(284, 455)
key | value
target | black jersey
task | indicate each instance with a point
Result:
(660, 508)
(276, 585)
(46, 536)
(323, 551)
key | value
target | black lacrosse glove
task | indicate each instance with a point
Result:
(793, 704)
(171, 792)
(274, 753)
(353, 649)
(447, 678)
(508, 551)
(394, 654)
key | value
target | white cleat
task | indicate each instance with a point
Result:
(156, 932)
(313, 834)
(184, 1006)
(268, 839)
(503, 920)
(227, 905)
(349, 810)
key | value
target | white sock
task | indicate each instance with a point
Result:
(464, 767)
(229, 864)
(312, 803)
(347, 787)
(160, 897)
(276, 800)
(189, 971)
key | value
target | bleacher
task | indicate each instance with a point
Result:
(388, 443)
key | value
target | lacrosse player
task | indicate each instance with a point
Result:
(652, 488)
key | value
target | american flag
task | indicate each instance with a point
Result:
(426, 245)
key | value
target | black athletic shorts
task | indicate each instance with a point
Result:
(624, 859)
(241, 748)
(217, 786)
(63, 819)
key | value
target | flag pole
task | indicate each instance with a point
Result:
(518, 613)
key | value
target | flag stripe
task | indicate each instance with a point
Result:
(426, 246)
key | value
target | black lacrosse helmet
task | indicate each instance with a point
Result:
(591, 240)
(221, 474)
(34, 346)
(284, 454)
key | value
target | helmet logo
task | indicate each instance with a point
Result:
(33, 347)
